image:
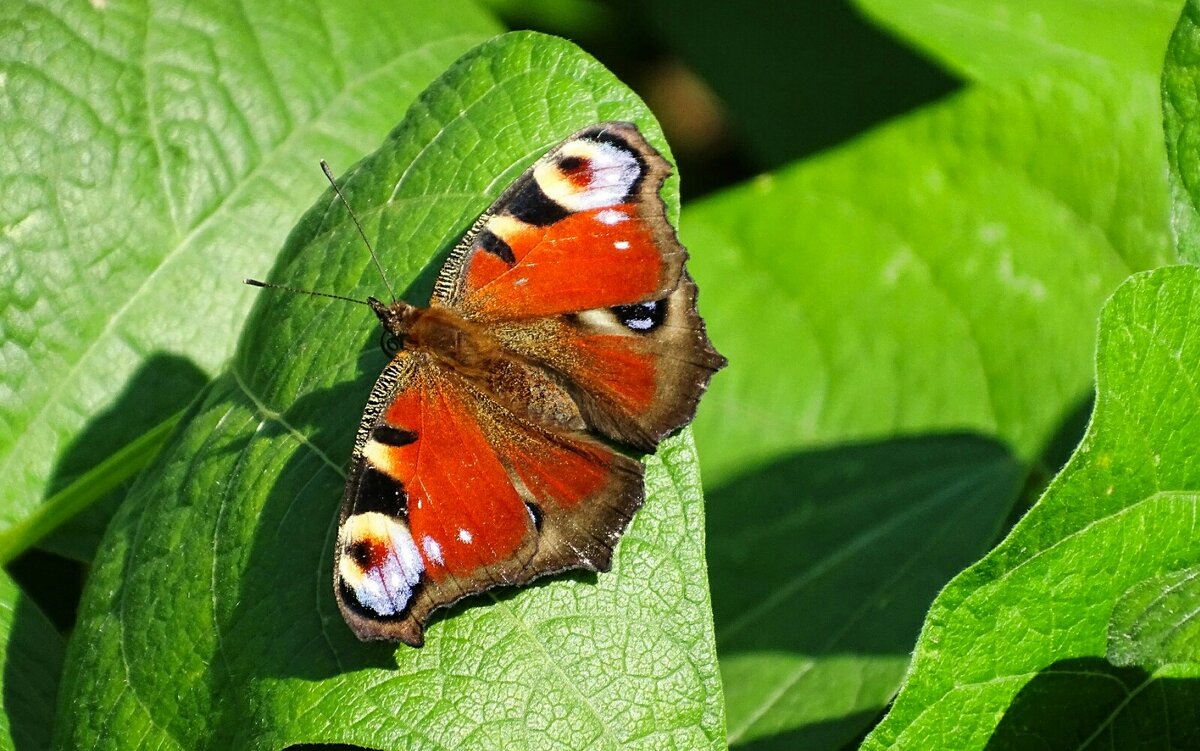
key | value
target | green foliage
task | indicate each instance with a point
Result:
(861, 537)
(990, 41)
(1155, 622)
(911, 320)
(1011, 645)
(1181, 111)
(939, 274)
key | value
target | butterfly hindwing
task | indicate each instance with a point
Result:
(636, 371)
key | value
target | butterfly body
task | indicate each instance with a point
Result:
(465, 346)
(562, 324)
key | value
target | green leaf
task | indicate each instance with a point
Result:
(31, 656)
(1001, 40)
(814, 642)
(1015, 646)
(1181, 120)
(155, 155)
(943, 273)
(67, 503)
(219, 564)
(1156, 623)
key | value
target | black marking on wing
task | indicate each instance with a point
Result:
(569, 164)
(360, 553)
(531, 205)
(535, 514)
(643, 317)
(375, 491)
(492, 243)
(390, 436)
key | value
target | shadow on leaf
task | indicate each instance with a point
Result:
(823, 565)
(32, 664)
(843, 73)
(824, 734)
(1054, 455)
(293, 543)
(1087, 703)
(843, 548)
(163, 386)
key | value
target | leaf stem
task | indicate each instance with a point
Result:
(88, 488)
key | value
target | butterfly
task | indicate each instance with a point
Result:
(561, 327)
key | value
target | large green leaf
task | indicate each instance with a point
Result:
(943, 273)
(1016, 649)
(155, 154)
(219, 564)
(31, 655)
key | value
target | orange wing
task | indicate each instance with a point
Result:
(576, 268)
(582, 229)
(451, 493)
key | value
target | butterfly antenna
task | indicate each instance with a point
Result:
(375, 258)
(268, 285)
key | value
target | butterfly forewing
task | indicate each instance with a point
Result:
(583, 228)
(452, 493)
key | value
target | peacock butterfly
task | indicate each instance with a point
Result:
(562, 321)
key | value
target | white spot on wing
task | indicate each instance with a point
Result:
(639, 324)
(612, 171)
(621, 245)
(378, 454)
(598, 319)
(433, 551)
(387, 585)
(506, 227)
(521, 281)
(465, 536)
(611, 216)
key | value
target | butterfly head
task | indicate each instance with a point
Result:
(397, 318)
